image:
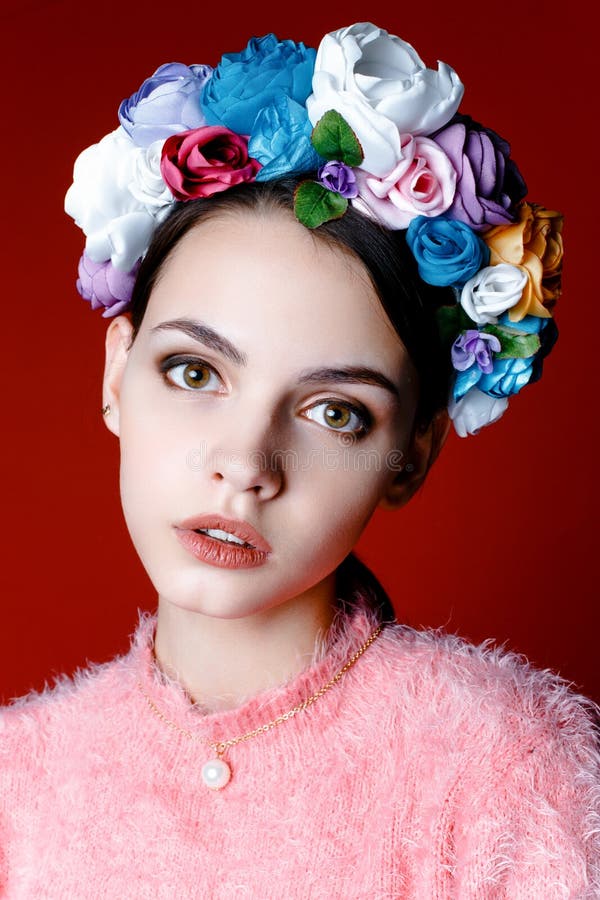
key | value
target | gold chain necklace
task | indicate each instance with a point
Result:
(216, 773)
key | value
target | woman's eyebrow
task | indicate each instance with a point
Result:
(350, 375)
(206, 335)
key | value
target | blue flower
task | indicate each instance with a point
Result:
(243, 83)
(447, 251)
(548, 338)
(547, 331)
(281, 139)
(508, 375)
(528, 324)
(168, 102)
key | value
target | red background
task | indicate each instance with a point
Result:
(500, 541)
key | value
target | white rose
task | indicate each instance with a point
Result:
(381, 87)
(117, 226)
(147, 185)
(492, 291)
(474, 411)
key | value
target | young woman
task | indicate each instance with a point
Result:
(314, 265)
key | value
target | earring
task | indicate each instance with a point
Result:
(105, 409)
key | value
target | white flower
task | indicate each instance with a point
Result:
(381, 87)
(117, 225)
(492, 291)
(147, 185)
(474, 411)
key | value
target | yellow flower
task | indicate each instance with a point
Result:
(533, 244)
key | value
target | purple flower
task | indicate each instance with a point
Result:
(474, 347)
(168, 102)
(104, 286)
(338, 177)
(489, 184)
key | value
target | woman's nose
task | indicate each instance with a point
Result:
(249, 459)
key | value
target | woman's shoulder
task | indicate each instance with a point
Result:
(45, 732)
(515, 747)
(438, 676)
(65, 700)
(91, 686)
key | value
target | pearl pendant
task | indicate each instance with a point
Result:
(215, 774)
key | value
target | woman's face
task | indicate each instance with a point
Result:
(267, 386)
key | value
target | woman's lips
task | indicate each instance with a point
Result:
(218, 552)
(241, 530)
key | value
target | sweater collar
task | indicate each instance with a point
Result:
(350, 628)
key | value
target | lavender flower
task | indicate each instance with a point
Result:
(474, 347)
(339, 178)
(168, 102)
(104, 286)
(489, 183)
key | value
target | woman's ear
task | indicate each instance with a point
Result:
(117, 344)
(423, 450)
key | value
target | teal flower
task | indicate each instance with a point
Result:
(508, 374)
(244, 83)
(507, 377)
(281, 139)
(447, 252)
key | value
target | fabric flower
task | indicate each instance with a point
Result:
(422, 184)
(280, 140)
(474, 411)
(104, 286)
(381, 87)
(447, 252)
(492, 291)
(338, 177)
(117, 225)
(474, 348)
(147, 185)
(244, 83)
(204, 161)
(507, 375)
(548, 335)
(489, 183)
(534, 244)
(168, 102)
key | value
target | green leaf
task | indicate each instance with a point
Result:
(314, 204)
(333, 138)
(515, 344)
(452, 320)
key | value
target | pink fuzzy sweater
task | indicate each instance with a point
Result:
(433, 769)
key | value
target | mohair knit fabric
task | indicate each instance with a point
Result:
(433, 769)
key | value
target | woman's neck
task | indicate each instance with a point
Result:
(221, 663)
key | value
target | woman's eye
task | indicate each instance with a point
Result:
(340, 416)
(191, 375)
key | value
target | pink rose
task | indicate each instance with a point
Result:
(422, 184)
(206, 160)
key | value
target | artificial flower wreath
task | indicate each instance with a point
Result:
(395, 147)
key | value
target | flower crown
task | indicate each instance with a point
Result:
(383, 133)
